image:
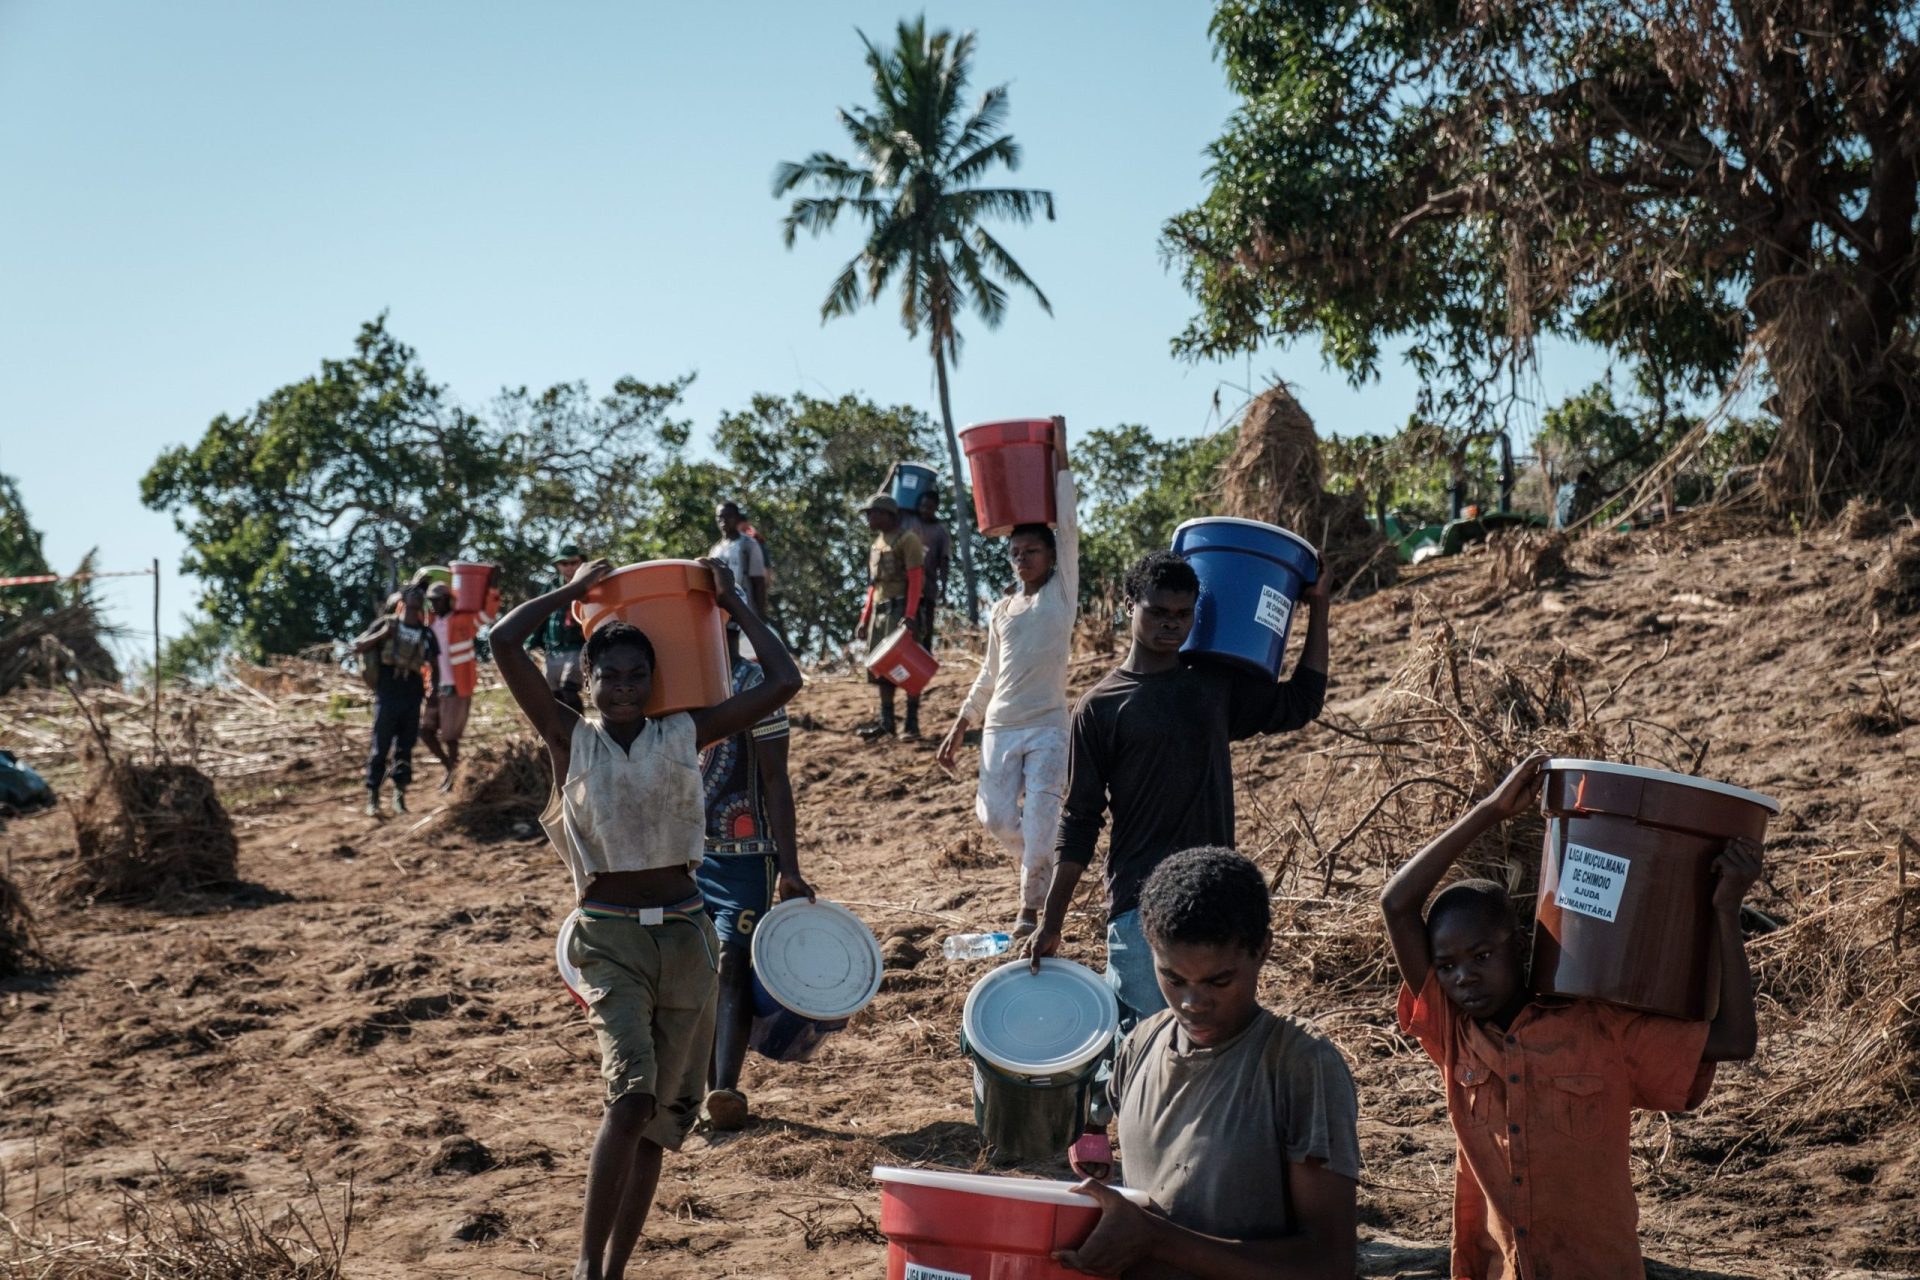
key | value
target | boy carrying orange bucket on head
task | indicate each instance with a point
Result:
(1541, 1089)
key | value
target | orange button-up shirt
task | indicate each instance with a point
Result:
(1541, 1111)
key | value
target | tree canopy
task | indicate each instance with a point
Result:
(1681, 181)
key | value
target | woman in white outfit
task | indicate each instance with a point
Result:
(1020, 696)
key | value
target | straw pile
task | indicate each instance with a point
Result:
(1863, 518)
(48, 646)
(1519, 561)
(144, 830)
(501, 789)
(1893, 583)
(1275, 474)
(18, 951)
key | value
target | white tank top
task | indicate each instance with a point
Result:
(635, 810)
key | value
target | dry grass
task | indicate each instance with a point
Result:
(501, 789)
(174, 1234)
(1524, 560)
(1893, 583)
(1863, 518)
(142, 830)
(1275, 474)
(19, 949)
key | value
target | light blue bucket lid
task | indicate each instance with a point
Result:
(1043, 1024)
(817, 959)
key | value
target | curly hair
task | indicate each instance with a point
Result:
(1160, 571)
(1483, 899)
(1211, 896)
(612, 635)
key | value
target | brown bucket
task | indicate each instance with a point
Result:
(1626, 883)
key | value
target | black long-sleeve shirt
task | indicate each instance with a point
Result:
(1153, 749)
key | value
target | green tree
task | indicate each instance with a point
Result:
(918, 158)
(1678, 181)
(302, 513)
(792, 463)
(21, 554)
(1135, 491)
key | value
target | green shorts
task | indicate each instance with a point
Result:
(650, 991)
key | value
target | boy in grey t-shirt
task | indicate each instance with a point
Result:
(1238, 1123)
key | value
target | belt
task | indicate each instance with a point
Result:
(643, 915)
(732, 848)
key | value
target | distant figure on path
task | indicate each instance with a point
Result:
(398, 647)
(896, 577)
(743, 554)
(450, 699)
(560, 640)
(936, 542)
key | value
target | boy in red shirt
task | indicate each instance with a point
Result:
(1541, 1089)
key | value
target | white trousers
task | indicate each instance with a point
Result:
(1023, 781)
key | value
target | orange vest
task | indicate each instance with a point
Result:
(456, 632)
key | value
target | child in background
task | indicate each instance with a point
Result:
(399, 645)
(1541, 1089)
(1239, 1123)
(628, 819)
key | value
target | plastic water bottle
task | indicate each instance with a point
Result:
(975, 946)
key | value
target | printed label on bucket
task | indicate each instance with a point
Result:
(1591, 882)
(916, 1271)
(1273, 611)
(899, 674)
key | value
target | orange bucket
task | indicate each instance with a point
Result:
(1012, 465)
(672, 602)
(470, 583)
(942, 1224)
(902, 660)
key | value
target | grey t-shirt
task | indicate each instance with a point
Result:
(1209, 1132)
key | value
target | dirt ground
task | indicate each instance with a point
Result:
(375, 1005)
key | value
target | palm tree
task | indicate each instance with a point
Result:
(917, 158)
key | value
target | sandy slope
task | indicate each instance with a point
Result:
(379, 1005)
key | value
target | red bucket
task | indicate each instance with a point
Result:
(902, 660)
(470, 583)
(965, 1224)
(1013, 466)
(672, 602)
(1625, 912)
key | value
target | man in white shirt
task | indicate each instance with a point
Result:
(743, 555)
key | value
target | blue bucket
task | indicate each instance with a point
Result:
(911, 481)
(815, 965)
(1251, 573)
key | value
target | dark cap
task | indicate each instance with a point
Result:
(568, 551)
(881, 502)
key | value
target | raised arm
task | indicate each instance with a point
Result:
(550, 718)
(750, 706)
(1407, 892)
(1734, 1034)
(1066, 529)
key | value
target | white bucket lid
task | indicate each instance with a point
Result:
(1059, 1019)
(569, 972)
(1256, 524)
(1032, 1190)
(1661, 775)
(817, 958)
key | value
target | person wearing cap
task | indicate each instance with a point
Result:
(896, 580)
(741, 552)
(936, 540)
(561, 638)
(399, 646)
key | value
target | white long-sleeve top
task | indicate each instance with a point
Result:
(1023, 682)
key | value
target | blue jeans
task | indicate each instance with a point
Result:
(1130, 971)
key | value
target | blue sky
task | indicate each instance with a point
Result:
(206, 198)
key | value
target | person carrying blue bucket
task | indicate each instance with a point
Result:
(1150, 745)
(627, 818)
(1019, 699)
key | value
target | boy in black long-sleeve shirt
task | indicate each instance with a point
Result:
(1150, 743)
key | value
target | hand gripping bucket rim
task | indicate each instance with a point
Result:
(1031, 1190)
(992, 1031)
(1288, 534)
(788, 983)
(1569, 765)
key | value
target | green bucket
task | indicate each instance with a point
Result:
(1037, 1042)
